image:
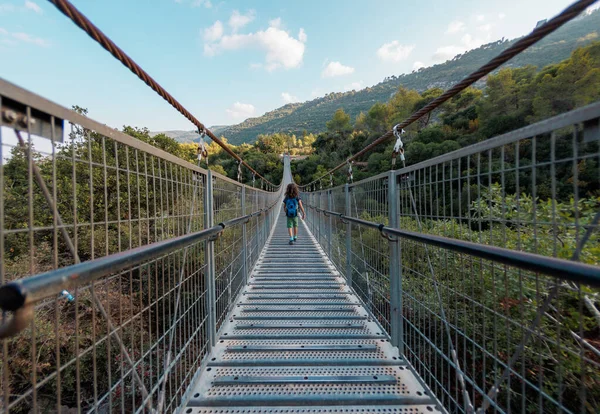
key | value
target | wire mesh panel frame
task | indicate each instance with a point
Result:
(131, 340)
(484, 335)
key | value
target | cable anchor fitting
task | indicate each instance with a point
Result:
(216, 236)
(386, 236)
(239, 172)
(350, 176)
(202, 150)
(398, 146)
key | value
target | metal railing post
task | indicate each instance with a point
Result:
(312, 215)
(329, 231)
(209, 253)
(348, 212)
(244, 239)
(257, 228)
(315, 214)
(319, 221)
(312, 212)
(396, 323)
(265, 223)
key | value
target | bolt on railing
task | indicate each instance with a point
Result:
(119, 262)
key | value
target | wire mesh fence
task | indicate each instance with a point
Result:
(78, 195)
(368, 267)
(337, 252)
(482, 334)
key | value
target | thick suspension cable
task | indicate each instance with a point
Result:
(537, 34)
(95, 33)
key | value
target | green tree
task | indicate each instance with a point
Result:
(569, 84)
(340, 122)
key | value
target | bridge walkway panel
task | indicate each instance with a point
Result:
(299, 341)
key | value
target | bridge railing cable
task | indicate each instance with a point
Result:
(482, 265)
(95, 33)
(522, 44)
(118, 262)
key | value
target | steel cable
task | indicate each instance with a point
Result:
(95, 33)
(537, 34)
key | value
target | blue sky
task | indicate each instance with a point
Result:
(226, 61)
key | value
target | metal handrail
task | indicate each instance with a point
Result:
(564, 269)
(21, 295)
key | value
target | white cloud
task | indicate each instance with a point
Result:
(29, 5)
(354, 86)
(418, 65)
(288, 97)
(444, 53)
(480, 18)
(302, 36)
(470, 42)
(501, 16)
(237, 20)
(485, 27)
(455, 27)
(275, 23)
(214, 32)
(13, 38)
(336, 69)
(592, 8)
(394, 51)
(198, 3)
(282, 50)
(467, 42)
(240, 110)
(5, 8)
(27, 38)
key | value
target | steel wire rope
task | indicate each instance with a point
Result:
(537, 34)
(66, 8)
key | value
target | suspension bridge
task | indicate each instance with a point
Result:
(149, 284)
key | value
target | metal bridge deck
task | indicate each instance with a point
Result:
(299, 341)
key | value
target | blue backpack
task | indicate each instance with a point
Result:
(291, 207)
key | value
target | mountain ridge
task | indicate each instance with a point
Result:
(311, 116)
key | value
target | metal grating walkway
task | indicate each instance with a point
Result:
(299, 341)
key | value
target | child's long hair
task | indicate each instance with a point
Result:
(291, 191)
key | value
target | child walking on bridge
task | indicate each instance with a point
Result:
(291, 203)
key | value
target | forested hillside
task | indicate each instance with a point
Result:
(511, 99)
(311, 116)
